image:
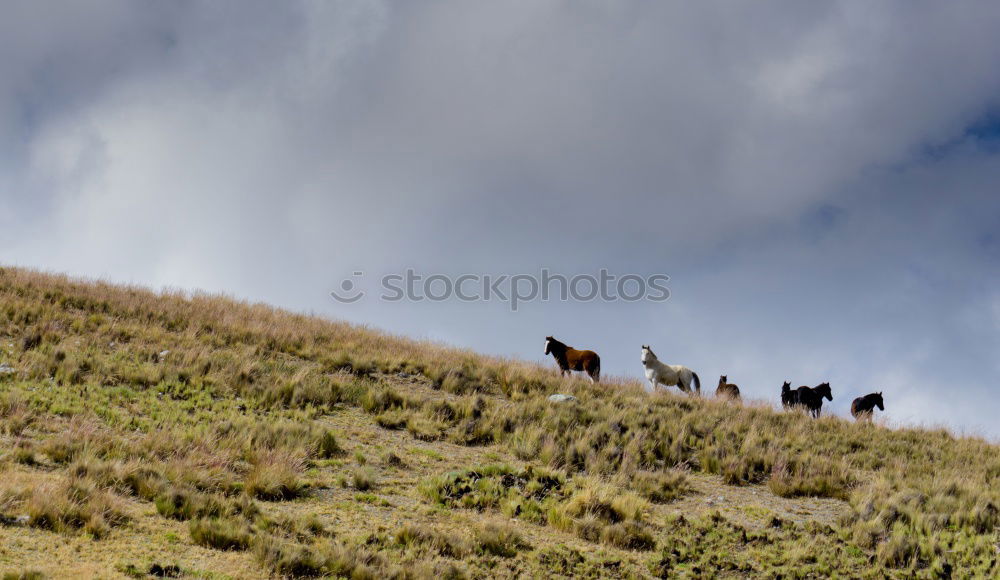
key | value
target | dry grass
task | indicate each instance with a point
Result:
(216, 413)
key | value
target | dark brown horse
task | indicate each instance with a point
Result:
(569, 359)
(864, 407)
(812, 397)
(789, 398)
(727, 389)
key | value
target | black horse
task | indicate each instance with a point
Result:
(812, 397)
(864, 407)
(789, 398)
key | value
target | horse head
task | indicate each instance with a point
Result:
(824, 391)
(878, 400)
(723, 380)
(786, 387)
(647, 354)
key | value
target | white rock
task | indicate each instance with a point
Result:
(560, 398)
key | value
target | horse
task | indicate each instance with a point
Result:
(863, 408)
(569, 359)
(668, 375)
(727, 389)
(812, 397)
(789, 398)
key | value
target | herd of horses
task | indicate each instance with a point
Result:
(659, 374)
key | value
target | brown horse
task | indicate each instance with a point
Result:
(812, 397)
(864, 407)
(569, 359)
(726, 389)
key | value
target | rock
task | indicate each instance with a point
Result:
(6, 369)
(559, 398)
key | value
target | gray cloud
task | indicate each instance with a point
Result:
(817, 179)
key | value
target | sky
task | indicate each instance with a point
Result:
(818, 180)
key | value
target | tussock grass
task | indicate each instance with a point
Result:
(499, 540)
(364, 479)
(221, 533)
(716, 546)
(275, 476)
(24, 575)
(526, 494)
(660, 486)
(68, 506)
(290, 558)
(324, 558)
(443, 543)
(186, 504)
(599, 511)
(201, 404)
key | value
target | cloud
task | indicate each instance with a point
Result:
(816, 179)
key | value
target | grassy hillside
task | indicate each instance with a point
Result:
(165, 434)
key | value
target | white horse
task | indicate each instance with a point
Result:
(668, 375)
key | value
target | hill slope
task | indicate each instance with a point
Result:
(197, 436)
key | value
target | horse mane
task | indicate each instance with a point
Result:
(556, 344)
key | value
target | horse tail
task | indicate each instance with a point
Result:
(597, 368)
(697, 382)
